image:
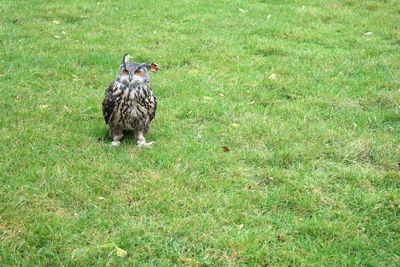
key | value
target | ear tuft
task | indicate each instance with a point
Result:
(125, 58)
(154, 67)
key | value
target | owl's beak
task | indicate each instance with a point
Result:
(130, 78)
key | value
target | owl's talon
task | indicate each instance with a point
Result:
(148, 144)
(115, 143)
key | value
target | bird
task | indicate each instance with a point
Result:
(129, 103)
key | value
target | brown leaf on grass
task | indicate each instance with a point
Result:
(51, 74)
(244, 214)
(154, 67)
(398, 165)
(280, 237)
(94, 78)
(225, 149)
(241, 226)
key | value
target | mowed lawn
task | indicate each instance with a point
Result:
(277, 136)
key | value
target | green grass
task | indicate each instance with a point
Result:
(314, 151)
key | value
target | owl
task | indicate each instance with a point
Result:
(129, 103)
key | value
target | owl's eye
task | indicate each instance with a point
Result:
(125, 72)
(137, 72)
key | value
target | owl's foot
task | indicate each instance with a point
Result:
(141, 142)
(115, 143)
(148, 144)
(116, 135)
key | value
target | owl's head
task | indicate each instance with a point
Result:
(132, 72)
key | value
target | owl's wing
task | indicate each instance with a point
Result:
(109, 103)
(153, 106)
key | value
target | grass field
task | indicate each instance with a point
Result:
(277, 137)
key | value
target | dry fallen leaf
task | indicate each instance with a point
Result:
(280, 237)
(272, 76)
(244, 214)
(368, 33)
(43, 106)
(108, 245)
(94, 78)
(242, 10)
(154, 67)
(241, 226)
(191, 262)
(225, 149)
(221, 95)
(56, 21)
(100, 198)
(121, 252)
(57, 37)
(235, 125)
(52, 74)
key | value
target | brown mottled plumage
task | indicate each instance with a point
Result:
(129, 103)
